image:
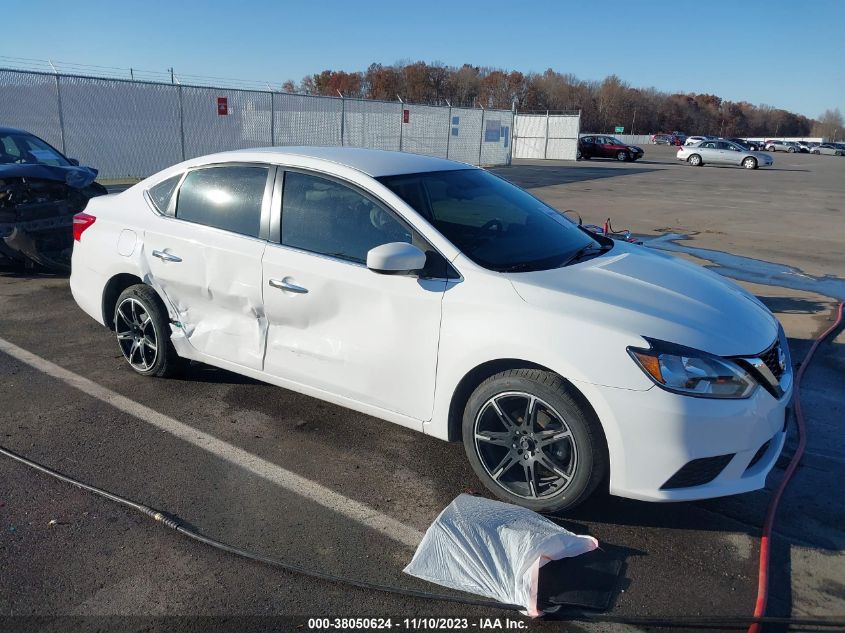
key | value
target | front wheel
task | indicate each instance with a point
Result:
(622, 156)
(750, 163)
(816, 152)
(143, 332)
(695, 160)
(791, 150)
(531, 442)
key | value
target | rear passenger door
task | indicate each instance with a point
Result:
(204, 255)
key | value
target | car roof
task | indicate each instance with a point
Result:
(373, 162)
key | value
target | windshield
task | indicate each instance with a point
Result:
(494, 223)
(25, 149)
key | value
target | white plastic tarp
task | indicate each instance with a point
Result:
(493, 549)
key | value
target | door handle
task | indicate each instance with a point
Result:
(166, 257)
(281, 284)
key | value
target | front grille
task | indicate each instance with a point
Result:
(698, 472)
(758, 455)
(772, 359)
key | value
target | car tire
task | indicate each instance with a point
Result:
(578, 155)
(790, 150)
(750, 162)
(142, 327)
(586, 156)
(695, 160)
(562, 472)
(622, 156)
(816, 152)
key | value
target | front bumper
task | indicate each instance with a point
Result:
(653, 434)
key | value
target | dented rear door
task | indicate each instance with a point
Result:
(207, 260)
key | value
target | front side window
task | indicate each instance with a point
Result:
(496, 224)
(227, 197)
(328, 218)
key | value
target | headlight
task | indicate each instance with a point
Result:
(692, 372)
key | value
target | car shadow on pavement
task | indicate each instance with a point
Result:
(21, 272)
(793, 305)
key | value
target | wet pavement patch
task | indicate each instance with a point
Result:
(750, 269)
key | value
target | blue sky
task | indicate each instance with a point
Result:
(786, 53)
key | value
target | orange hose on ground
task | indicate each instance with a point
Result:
(765, 539)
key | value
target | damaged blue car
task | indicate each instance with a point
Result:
(40, 191)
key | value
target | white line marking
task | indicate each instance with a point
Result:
(349, 508)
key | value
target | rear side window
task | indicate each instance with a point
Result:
(323, 216)
(227, 198)
(161, 193)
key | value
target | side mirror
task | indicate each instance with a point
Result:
(73, 161)
(395, 257)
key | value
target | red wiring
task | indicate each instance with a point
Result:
(765, 539)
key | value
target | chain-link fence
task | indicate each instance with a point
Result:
(131, 129)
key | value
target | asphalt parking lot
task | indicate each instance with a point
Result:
(330, 489)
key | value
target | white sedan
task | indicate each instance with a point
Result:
(440, 297)
(723, 153)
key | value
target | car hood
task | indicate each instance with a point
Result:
(639, 292)
(76, 177)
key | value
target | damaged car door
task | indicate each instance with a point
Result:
(205, 257)
(334, 324)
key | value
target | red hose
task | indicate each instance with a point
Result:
(765, 539)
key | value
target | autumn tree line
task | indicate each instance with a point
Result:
(603, 104)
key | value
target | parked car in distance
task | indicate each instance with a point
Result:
(692, 140)
(404, 286)
(667, 139)
(723, 152)
(740, 141)
(803, 147)
(775, 145)
(601, 146)
(756, 146)
(830, 149)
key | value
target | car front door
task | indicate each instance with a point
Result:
(336, 326)
(204, 255)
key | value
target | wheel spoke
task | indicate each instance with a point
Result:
(530, 412)
(530, 477)
(505, 465)
(148, 342)
(134, 310)
(126, 319)
(124, 336)
(499, 438)
(547, 463)
(544, 438)
(506, 421)
(135, 347)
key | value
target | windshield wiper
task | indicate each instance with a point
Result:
(584, 251)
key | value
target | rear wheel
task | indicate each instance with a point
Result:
(695, 160)
(531, 442)
(143, 332)
(791, 150)
(622, 156)
(816, 152)
(750, 163)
